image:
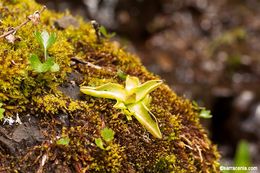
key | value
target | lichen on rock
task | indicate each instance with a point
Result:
(52, 104)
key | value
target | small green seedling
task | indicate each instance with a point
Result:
(203, 112)
(46, 41)
(63, 141)
(99, 143)
(133, 99)
(107, 135)
(105, 33)
(39, 67)
(242, 156)
(2, 110)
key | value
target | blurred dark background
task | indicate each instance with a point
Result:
(207, 51)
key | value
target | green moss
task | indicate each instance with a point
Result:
(185, 146)
(111, 161)
(114, 159)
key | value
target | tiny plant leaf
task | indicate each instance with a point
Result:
(51, 40)
(99, 143)
(39, 38)
(242, 156)
(55, 67)
(202, 111)
(45, 40)
(107, 134)
(46, 66)
(205, 113)
(195, 104)
(2, 110)
(36, 64)
(105, 33)
(63, 141)
(39, 67)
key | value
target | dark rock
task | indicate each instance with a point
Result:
(63, 119)
(66, 21)
(70, 88)
(27, 132)
(7, 145)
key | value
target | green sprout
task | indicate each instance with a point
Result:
(107, 135)
(105, 33)
(133, 99)
(2, 110)
(242, 156)
(203, 112)
(99, 143)
(46, 41)
(63, 141)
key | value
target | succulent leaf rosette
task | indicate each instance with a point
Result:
(133, 99)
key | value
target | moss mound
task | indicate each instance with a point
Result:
(51, 106)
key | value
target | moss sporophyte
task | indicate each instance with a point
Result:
(133, 99)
